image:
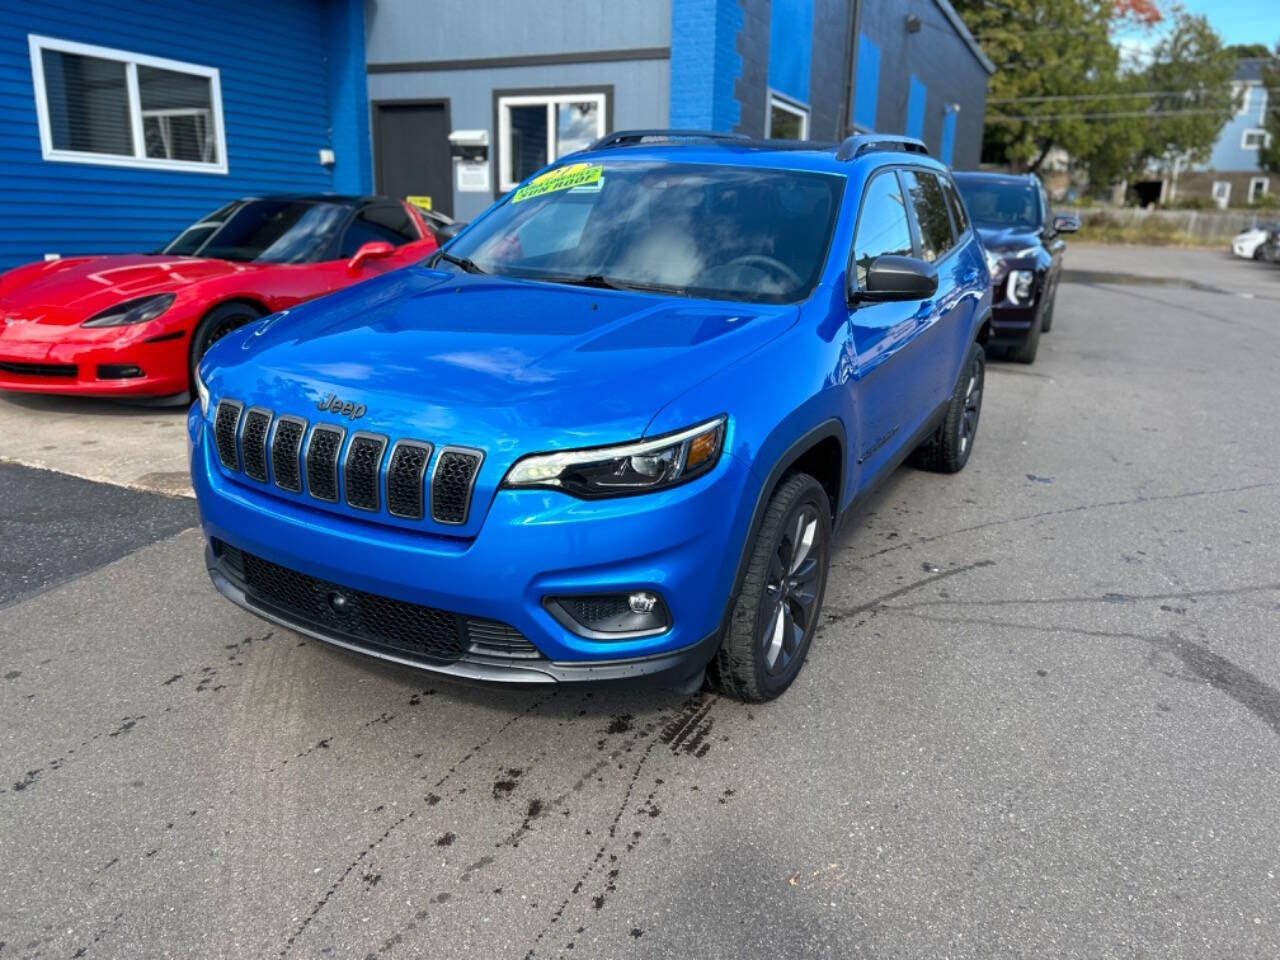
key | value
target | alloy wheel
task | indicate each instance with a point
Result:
(972, 405)
(791, 591)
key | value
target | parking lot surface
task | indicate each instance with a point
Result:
(1041, 718)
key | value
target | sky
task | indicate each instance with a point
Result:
(1238, 21)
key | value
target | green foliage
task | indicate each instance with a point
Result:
(1269, 156)
(1060, 82)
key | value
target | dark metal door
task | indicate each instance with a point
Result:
(411, 140)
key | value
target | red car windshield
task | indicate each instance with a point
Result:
(264, 231)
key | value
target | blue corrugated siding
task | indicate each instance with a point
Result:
(274, 59)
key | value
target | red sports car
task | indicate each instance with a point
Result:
(137, 325)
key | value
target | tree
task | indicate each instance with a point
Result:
(1189, 81)
(1269, 155)
(1052, 57)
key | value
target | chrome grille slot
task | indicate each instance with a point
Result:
(361, 470)
(286, 450)
(452, 480)
(322, 461)
(405, 473)
(226, 427)
(253, 443)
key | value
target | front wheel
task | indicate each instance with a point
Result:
(215, 325)
(774, 618)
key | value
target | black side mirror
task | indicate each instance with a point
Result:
(1066, 223)
(891, 277)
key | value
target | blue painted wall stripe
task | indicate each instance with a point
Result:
(948, 137)
(915, 107)
(292, 80)
(704, 64)
(866, 88)
(790, 47)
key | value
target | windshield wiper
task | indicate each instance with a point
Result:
(470, 266)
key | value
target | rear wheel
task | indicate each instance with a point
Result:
(215, 325)
(947, 451)
(774, 618)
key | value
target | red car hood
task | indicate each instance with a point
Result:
(69, 291)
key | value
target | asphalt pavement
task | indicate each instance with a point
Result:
(1041, 718)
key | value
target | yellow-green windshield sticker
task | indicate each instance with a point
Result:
(562, 178)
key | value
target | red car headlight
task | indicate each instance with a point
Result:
(139, 310)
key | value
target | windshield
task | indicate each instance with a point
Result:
(735, 233)
(992, 203)
(266, 231)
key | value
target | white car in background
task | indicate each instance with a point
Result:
(1249, 244)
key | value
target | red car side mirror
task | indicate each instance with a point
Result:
(375, 250)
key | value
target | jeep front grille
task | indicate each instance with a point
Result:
(253, 443)
(322, 462)
(405, 473)
(326, 465)
(286, 449)
(226, 425)
(369, 619)
(451, 484)
(362, 471)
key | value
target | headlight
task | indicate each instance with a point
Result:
(202, 392)
(1020, 283)
(130, 312)
(628, 468)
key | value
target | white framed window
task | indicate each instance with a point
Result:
(104, 106)
(788, 120)
(535, 129)
(1222, 192)
(1258, 187)
(1255, 139)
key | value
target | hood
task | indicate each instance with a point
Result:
(506, 365)
(1000, 239)
(72, 290)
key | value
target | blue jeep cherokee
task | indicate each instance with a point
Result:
(608, 432)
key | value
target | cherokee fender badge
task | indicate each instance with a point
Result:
(345, 408)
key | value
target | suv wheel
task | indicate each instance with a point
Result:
(1025, 352)
(773, 620)
(1046, 323)
(947, 451)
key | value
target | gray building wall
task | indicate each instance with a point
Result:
(938, 56)
(421, 51)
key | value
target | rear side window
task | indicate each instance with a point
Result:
(388, 222)
(958, 214)
(882, 224)
(930, 206)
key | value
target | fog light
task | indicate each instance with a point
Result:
(642, 602)
(611, 616)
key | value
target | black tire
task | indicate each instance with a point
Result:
(1257, 252)
(1046, 322)
(1025, 352)
(215, 325)
(947, 451)
(774, 618)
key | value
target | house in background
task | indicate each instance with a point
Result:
(1232, 176)
(507, 88)
(123, 122)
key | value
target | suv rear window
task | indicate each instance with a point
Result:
(721, 232)
(930, 205)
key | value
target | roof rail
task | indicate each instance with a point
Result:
(621, 138)
(859, 144)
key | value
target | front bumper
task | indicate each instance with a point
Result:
(75, 368)
(683, 544)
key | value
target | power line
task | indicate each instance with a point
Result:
(1040, 117)
(1117, 96)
